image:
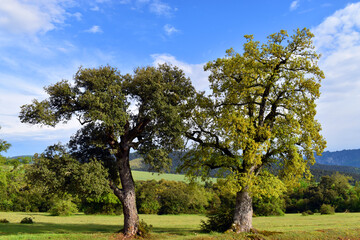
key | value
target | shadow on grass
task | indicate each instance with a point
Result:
(42, 228)
(16, 228)
(175, 231)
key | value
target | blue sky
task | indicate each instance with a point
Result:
(45, 41)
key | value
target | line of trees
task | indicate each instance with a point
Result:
(47, 185)
(258, 124)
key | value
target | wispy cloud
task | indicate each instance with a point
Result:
(338, 39)
(294, 5)
(160, 8)
(31, 17)
(94, 29)
(195, 71)
(156, 7)
(169, 29)
(77, 15)
(95, 8)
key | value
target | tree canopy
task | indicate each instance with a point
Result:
(259, 122)
(144, 111)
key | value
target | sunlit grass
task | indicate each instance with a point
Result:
(144, 176)
(80, 226)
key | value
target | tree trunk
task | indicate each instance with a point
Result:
(243, 212)
(131, 218)
(127, 195)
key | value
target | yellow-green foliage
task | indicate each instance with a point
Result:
(259, 122)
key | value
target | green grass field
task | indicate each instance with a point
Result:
(292, 226)
(143, 176)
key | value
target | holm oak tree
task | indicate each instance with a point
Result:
(258, 125)
(144, 111)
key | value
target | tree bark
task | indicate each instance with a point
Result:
(243, 212)
(131, 218)
(127, 195)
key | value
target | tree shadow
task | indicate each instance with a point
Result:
(58, 228)
(175, 231)
(39, 228)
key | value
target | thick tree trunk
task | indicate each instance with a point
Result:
(127, 195)
(243, 212)
(131, 218)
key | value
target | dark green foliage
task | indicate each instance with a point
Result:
(4, 220)
(269, 206)
(332, 190)
(107, 203)
(63, 207)
(58, 173)
(220, 218)
(170, 197)
(327, 209)
(27, 220)
(307, 213)
(147, 197)
(319, 170)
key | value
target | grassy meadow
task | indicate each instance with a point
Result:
(80, 226)
(144, 176)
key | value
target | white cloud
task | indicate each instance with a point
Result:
(338, 39)
(95, 8)
(31, 17)
(78, 16)
(294, 5)
(155, 6)
(94, 29)
(196, 72)
(160, 8)
(169, 30)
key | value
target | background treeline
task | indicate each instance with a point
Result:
(344, 157)
(317, 170)
(45, 186)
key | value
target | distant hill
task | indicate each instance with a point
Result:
(342, 158)
(319, 170)
(137, 163)
(22, 156)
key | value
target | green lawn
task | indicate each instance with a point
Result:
(291, 226)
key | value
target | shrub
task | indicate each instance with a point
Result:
(63, 208)
(144, 229)
(307, 213)
(171, 197)
(269, 206)
(147, 195)
(220, 218)
(27, 220)
(107, 203)
(327, 209)
(174, 199)
(4, 220)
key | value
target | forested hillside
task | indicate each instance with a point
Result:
(346, 162)
(318, 170)
(343, 158)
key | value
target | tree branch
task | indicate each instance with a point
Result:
(117, 191)
(216, 145)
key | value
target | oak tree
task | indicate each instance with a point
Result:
(144, 111)
(258, 125)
